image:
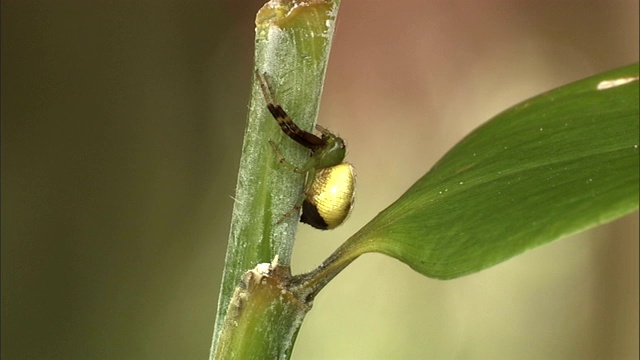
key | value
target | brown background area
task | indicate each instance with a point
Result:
(122, 124)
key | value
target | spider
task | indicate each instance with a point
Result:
(329, 187)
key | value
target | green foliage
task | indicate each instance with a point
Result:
(556, 164)
(551, 166)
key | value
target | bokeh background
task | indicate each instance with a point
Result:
(122, 125)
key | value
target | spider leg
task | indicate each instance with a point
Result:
(285, 122)
(287, 125)
(283, 161)
(289, 213)
(323, 130)
(296, 169)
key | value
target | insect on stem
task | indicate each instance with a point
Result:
(329, 188)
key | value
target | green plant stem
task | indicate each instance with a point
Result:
(293, 40)
(306, 286)
(263, 318)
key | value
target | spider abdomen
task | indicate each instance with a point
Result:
(329, 199)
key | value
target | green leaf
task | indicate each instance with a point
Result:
(556, 164)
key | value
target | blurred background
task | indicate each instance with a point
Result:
(122, 124)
